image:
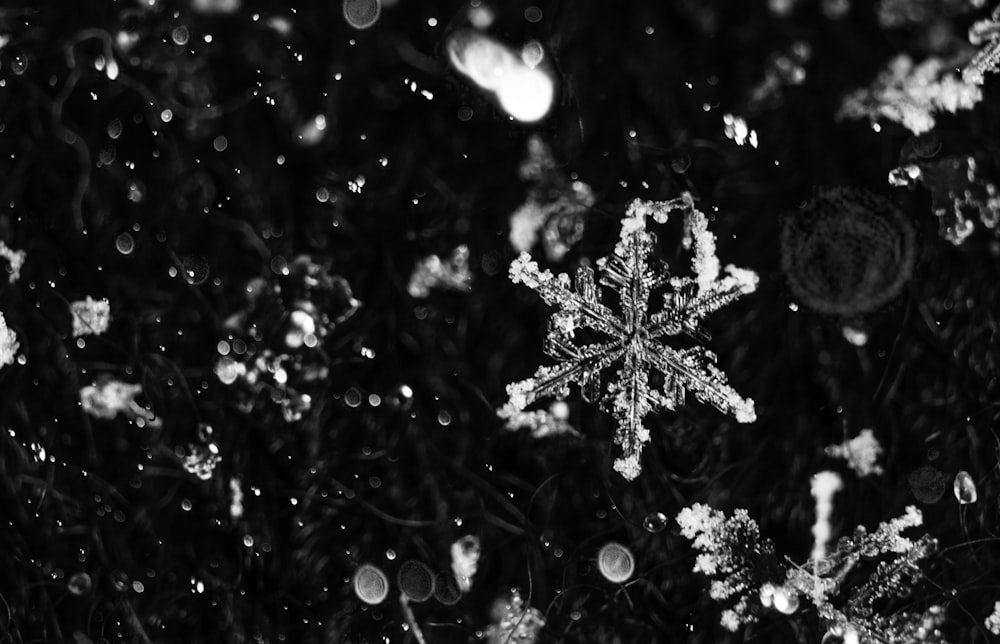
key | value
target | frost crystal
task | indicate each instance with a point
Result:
(987, 34)
(433, 272)
(90, 316)
(16, 260)
(911, 94)
(8, 343)
(634, 337)
(861, 453)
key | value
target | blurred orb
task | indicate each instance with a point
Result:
(532, 54)
(79, 584)
(481, 16)
(446, 589)
(615, 562)
(362, 14)
(416, 581)
(965, 488)
(195, 269)
(480, 58)
(847, 251)
(928, 484)
(526, 94)
(785, 601)
(371, 585)
(215, 6)
(125, 244)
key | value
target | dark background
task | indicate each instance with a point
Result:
(925, 381)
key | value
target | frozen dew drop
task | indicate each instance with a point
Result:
(79, 584)
(166, 115)
(655, 522)
(416, 580)
(965, 488)
(370, 584)
(615, 562)
(125, 244)
(362, 14)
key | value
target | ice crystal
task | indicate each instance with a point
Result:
(513, 622)
(90, 316)
(986, 34)
(910, 94)
(554, 209)
(847, 251)
(956, 191)
(633, 338)
(107, 398)
(8, 343)
(16, 260)
(861, 453)
(434, 272)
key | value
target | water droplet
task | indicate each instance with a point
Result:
(125, 244)
(655, 522)
(79, 583)
(965, 488)
(615, 562)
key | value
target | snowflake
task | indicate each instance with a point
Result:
(633, 338)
